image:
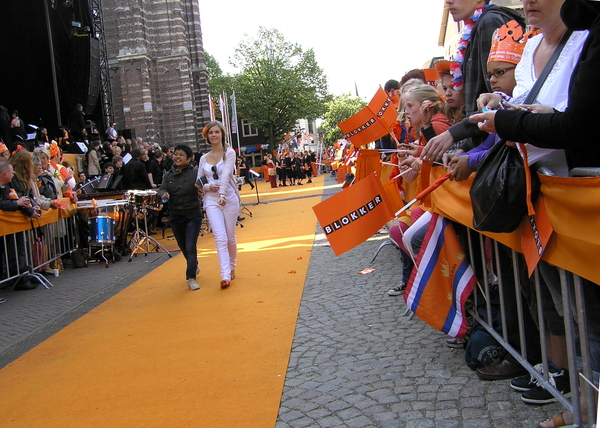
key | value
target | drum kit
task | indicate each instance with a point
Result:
(141, 201)
(105, 223)
(108, 222)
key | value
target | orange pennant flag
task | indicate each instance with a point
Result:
(372, 122)
(536, 234)
(368, 161)
(393, 195)
(353, 215)
(341, 173)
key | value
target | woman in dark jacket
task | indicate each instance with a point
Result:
(185, 216)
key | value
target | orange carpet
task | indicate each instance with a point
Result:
(159, 355)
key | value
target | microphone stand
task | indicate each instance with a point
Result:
(256, 189)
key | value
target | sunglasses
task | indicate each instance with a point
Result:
(498, 73)
(214, 171)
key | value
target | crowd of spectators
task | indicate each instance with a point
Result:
(498, 63)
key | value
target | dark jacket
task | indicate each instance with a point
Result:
(572, 130)
(474, 68)
(181, 187)
(11, 205)
(135, 176)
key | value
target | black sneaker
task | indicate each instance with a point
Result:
(539, 395)
(526, 382)
(396, 291)
(26, 285)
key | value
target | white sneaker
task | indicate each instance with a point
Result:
(192, 284)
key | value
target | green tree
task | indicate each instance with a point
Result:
(338, 110)
(278, 84)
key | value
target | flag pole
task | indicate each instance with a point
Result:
(234, 124)
(437, 183)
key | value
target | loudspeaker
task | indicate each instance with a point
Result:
(85, 71)
(128, 134)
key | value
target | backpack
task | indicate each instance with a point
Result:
(482, 349)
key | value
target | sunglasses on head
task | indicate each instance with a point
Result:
(214, 171)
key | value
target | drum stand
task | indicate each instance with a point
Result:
(244, 210)
(140, 238)
(102, 250)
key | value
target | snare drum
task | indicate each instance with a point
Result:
(143, 198)
(102, 230)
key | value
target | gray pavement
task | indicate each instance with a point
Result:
(356, 360)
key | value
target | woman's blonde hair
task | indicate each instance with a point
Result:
(211, 124)
(422, 93)
(22, 164)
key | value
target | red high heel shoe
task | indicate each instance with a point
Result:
(225, 283)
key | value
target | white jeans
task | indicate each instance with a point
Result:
(222, 223)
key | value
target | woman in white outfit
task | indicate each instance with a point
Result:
(216, 171)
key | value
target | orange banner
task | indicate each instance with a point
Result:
(572, 205)
(372, 122)
(353, 215)
(13, 222)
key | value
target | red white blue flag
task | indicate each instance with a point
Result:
(442, 280)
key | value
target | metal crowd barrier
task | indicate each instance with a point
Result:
(29, 252)
(574, 321)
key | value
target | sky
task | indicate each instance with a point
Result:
(354, 42)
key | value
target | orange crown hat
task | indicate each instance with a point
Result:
(3, 147)
(54, 150)
(508, 42)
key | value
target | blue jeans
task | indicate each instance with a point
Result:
(186, 229)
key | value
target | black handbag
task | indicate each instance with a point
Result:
(499, 190)
(501, 195)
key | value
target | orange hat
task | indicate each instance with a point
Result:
(3, 147)
(443, 66)
(54, 150)
(508, 43)
(431, 75)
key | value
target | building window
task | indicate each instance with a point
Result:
(248, 130)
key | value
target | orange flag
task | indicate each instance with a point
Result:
(341, 173)
(536, 234)
(372, 122)
(353, 215)
(368, 161)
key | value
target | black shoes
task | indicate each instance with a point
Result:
(26, 285)
(534, 393)
(539, 395)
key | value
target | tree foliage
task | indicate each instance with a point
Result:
(278, 83)
(338, 110)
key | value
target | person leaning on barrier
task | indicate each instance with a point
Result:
(474, 68)
(11, 202)
(569, 130)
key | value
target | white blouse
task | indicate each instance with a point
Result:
(553, 93)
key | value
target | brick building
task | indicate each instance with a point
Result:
(157, 69)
